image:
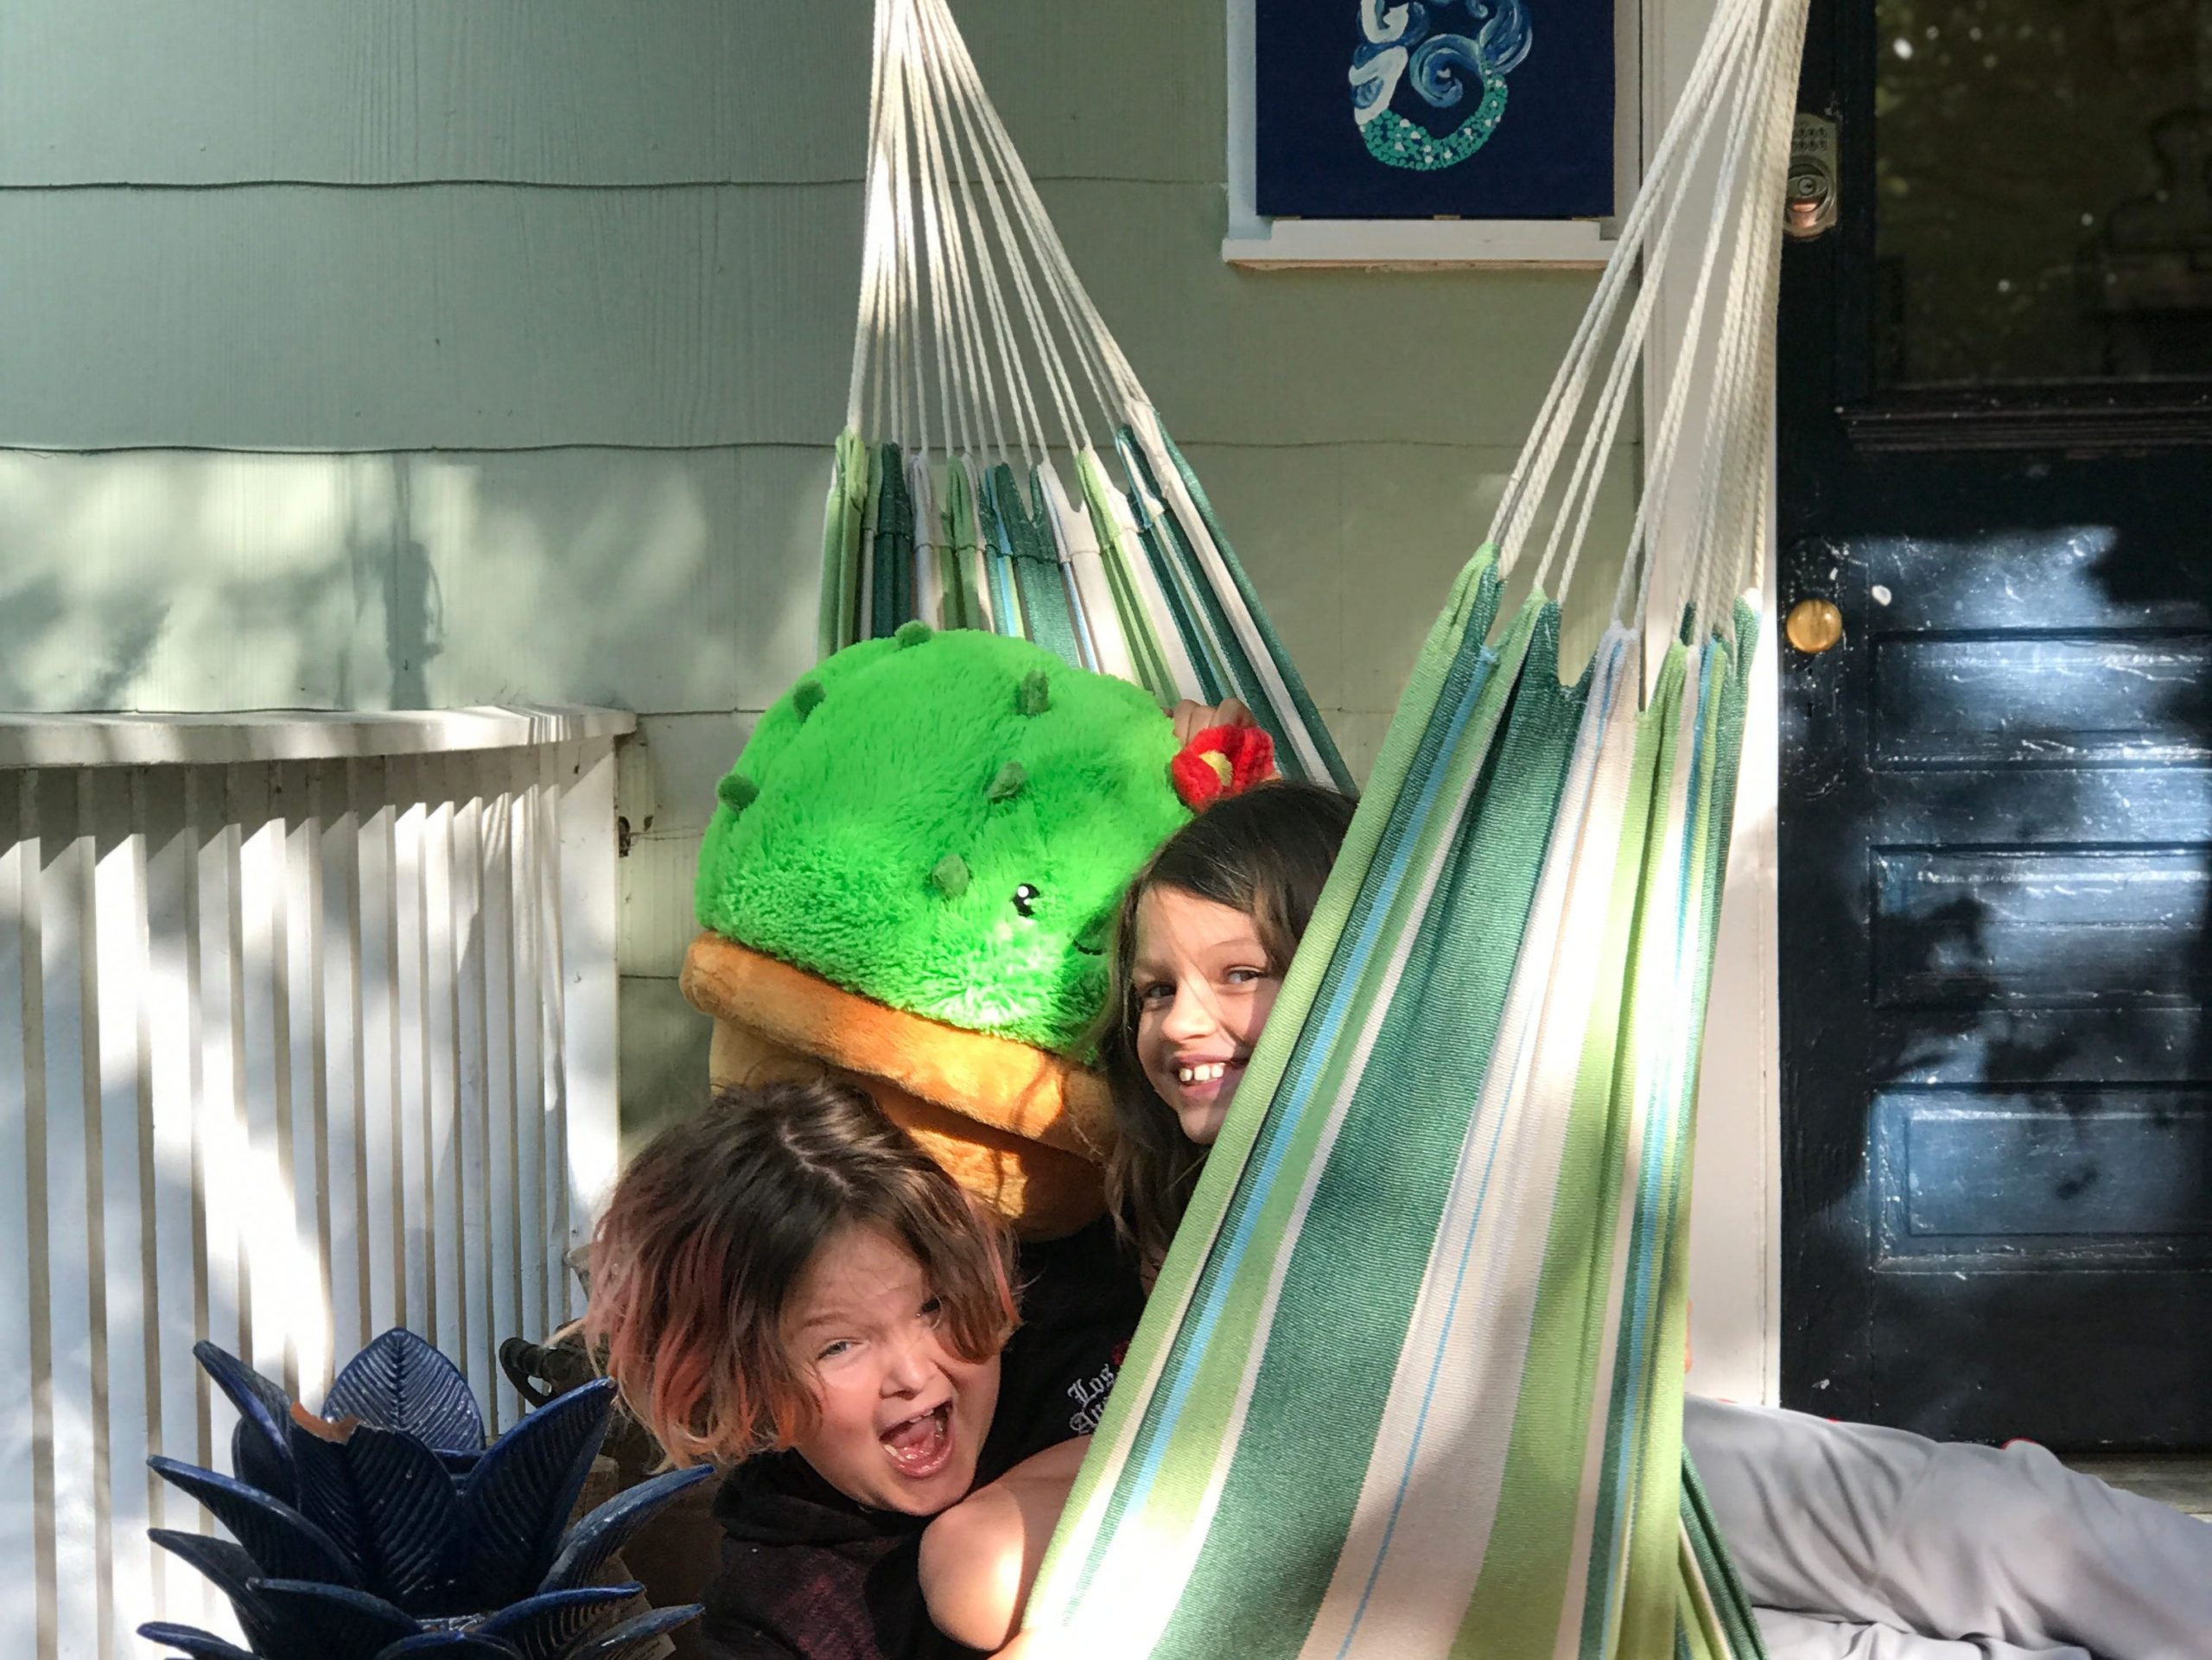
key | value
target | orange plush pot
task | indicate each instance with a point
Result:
(1024, 1131)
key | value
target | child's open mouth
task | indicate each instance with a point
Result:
(922, 1445)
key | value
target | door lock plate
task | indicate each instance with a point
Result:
(1809, 208)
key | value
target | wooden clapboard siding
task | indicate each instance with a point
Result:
(489, 316)
(431, 354)
(564, 91)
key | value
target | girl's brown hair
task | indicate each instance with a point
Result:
(711, 1226)
(1266, 853)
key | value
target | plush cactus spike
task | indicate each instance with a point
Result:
(518, 1498)
(399, 1382)
(949, 876)
(261, 1444)
(737, 793)
(545, 1627)
(914, 633)
(192, 1642)
(806, 697)
(1034, 694)
(284, 1544)
(607, 1528)
(1007, 782)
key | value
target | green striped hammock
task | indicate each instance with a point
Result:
(982, 378)
(1410, 1382)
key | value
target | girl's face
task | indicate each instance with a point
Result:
(1204, 988)
(903, 1416)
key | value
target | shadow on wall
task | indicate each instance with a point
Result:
(157, 579)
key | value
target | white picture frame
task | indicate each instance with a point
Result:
(1259, 243)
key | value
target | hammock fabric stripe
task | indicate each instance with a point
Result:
(1410, 1381)
(1186, 581)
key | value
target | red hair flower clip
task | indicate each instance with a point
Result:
(1220, 761)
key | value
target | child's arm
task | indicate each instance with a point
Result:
(980, 1558)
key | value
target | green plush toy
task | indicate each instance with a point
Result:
(941, 822)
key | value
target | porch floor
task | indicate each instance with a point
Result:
(2183, 1479)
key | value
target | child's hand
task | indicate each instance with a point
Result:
(1191, 718)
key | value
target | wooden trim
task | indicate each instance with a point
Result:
(295, 734)
(2061, 416)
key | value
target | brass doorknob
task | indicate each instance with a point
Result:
(1814, 625)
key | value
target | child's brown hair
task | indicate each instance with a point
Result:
(1266, 853)
(710, 1228)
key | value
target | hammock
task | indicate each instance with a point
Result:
(1410, 1381)
(952, 507)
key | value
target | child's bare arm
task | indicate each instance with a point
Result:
(980, 1558)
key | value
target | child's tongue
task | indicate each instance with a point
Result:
(919, 1442)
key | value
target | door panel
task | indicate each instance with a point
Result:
(1995, 823)
(1996, 844)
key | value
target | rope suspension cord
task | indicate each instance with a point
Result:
(972, 323)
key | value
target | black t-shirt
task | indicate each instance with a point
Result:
(808, 1574)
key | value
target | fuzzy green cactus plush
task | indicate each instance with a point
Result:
(908, 880)
(941, 822)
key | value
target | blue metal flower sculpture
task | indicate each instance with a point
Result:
(384, 1528)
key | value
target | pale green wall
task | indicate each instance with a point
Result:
(423, 353)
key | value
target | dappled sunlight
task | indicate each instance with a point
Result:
(664, 581)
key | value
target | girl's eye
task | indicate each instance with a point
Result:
(831, 1351)
(1157, 992)
(933, 1310)
(1025, 899)
(1245, 977)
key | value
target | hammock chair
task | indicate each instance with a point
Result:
(968, 305)
(1410, 1381)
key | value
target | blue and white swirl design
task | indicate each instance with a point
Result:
(1491, 40)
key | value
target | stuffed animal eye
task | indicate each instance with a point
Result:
(1025, 899)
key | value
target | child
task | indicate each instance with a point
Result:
(789, 1284)
(1858, 1542)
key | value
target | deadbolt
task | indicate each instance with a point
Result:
(1809, 208)
(1814, 625)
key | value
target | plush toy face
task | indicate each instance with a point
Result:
(941, 822)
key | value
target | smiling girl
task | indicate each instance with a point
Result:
(1200, 943)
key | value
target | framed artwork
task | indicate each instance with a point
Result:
(1433, 109)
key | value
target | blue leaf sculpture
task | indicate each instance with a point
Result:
(284, 1544)
(261, 1445)
(231, 1570)
(329, 1622)
(399, 1382)
(387, 1500)
(634, 1639)
(519, 1496)
(449, 1646)
(545, 1627)
(351, 1535)
(607, 1528)
(190, 1640)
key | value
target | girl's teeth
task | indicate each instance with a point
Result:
(1204, 1074)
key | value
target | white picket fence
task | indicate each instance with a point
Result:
(306, 1030)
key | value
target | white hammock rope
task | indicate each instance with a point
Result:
(975, 332)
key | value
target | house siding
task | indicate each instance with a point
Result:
(419, 355)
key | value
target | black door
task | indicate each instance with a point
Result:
(1996, 814)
